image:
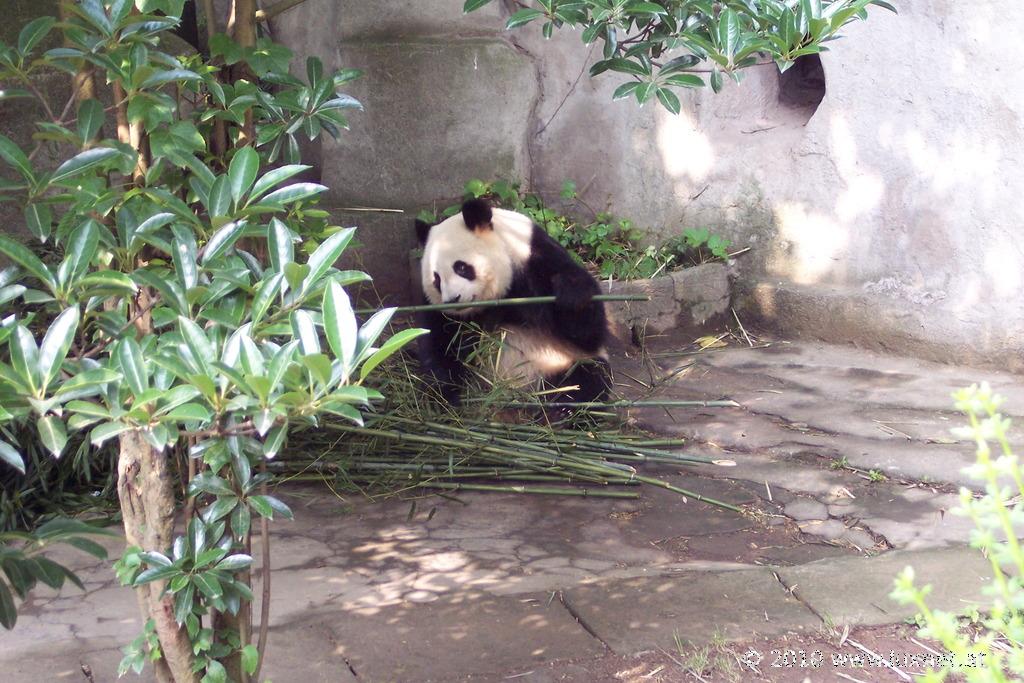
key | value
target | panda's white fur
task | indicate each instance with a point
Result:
(492, 253)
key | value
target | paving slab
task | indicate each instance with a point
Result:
(468, 635)
(640, 614)
(855, 591)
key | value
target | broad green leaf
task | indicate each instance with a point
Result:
(220, 197)
(282, 250)
(265, 294)
(473, 5)
(90, 119)
(11, 456)
(250, 658)
(13, 155)
(669, 100)
(25, 358)
(185, 265)
(390, 347)
(234, 563)
(270, 179)
(208, 482)
(729, 31)
(34, 32)
(107, 431)
(370, 331)
(198, 344)
(523, 16)
(82, 162)
(52, 434)
(222, 240)
(625, 90)
(275, 441)
(305, 331)
(56, 343)
(211, 588)
(133, 365)
(39, 220)
(340, 325)
(293, 193)
(163, 77)
(18, 253)
(242, 172)
(326, 255)
(80, 250)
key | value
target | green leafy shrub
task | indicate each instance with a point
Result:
(611, 247)
(659, 44)
(998, 519)
(185, 305)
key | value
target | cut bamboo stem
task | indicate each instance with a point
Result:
(495, 303)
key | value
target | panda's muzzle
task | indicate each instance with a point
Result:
(454, 300)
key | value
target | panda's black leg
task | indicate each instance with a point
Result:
(441, 354)
(589, 381)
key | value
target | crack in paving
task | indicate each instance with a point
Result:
(581, 621)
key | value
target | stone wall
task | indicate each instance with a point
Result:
(890, 215)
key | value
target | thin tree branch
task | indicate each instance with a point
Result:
(261, 643)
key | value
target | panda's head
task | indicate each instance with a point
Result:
(472, 255)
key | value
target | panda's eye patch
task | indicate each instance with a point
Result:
(464, 270)
(437, 281)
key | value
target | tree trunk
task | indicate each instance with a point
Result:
(145, 487)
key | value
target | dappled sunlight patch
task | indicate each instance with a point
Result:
(685, 151)
(817, 240)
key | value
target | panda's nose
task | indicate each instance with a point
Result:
(454, 299)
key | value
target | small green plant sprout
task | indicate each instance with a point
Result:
(876, 475)
(990, 645)
(839, 463)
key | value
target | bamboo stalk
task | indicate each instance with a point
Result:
(495, 303)
(547, 490)
(615, 404)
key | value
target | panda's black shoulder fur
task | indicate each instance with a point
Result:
(551, 271)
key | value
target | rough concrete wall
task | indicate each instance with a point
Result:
(891, 216)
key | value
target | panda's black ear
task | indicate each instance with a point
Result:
(477, 214)
(422, 231)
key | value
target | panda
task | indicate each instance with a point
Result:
(485, 253)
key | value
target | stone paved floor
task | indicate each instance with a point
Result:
(498, 585)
